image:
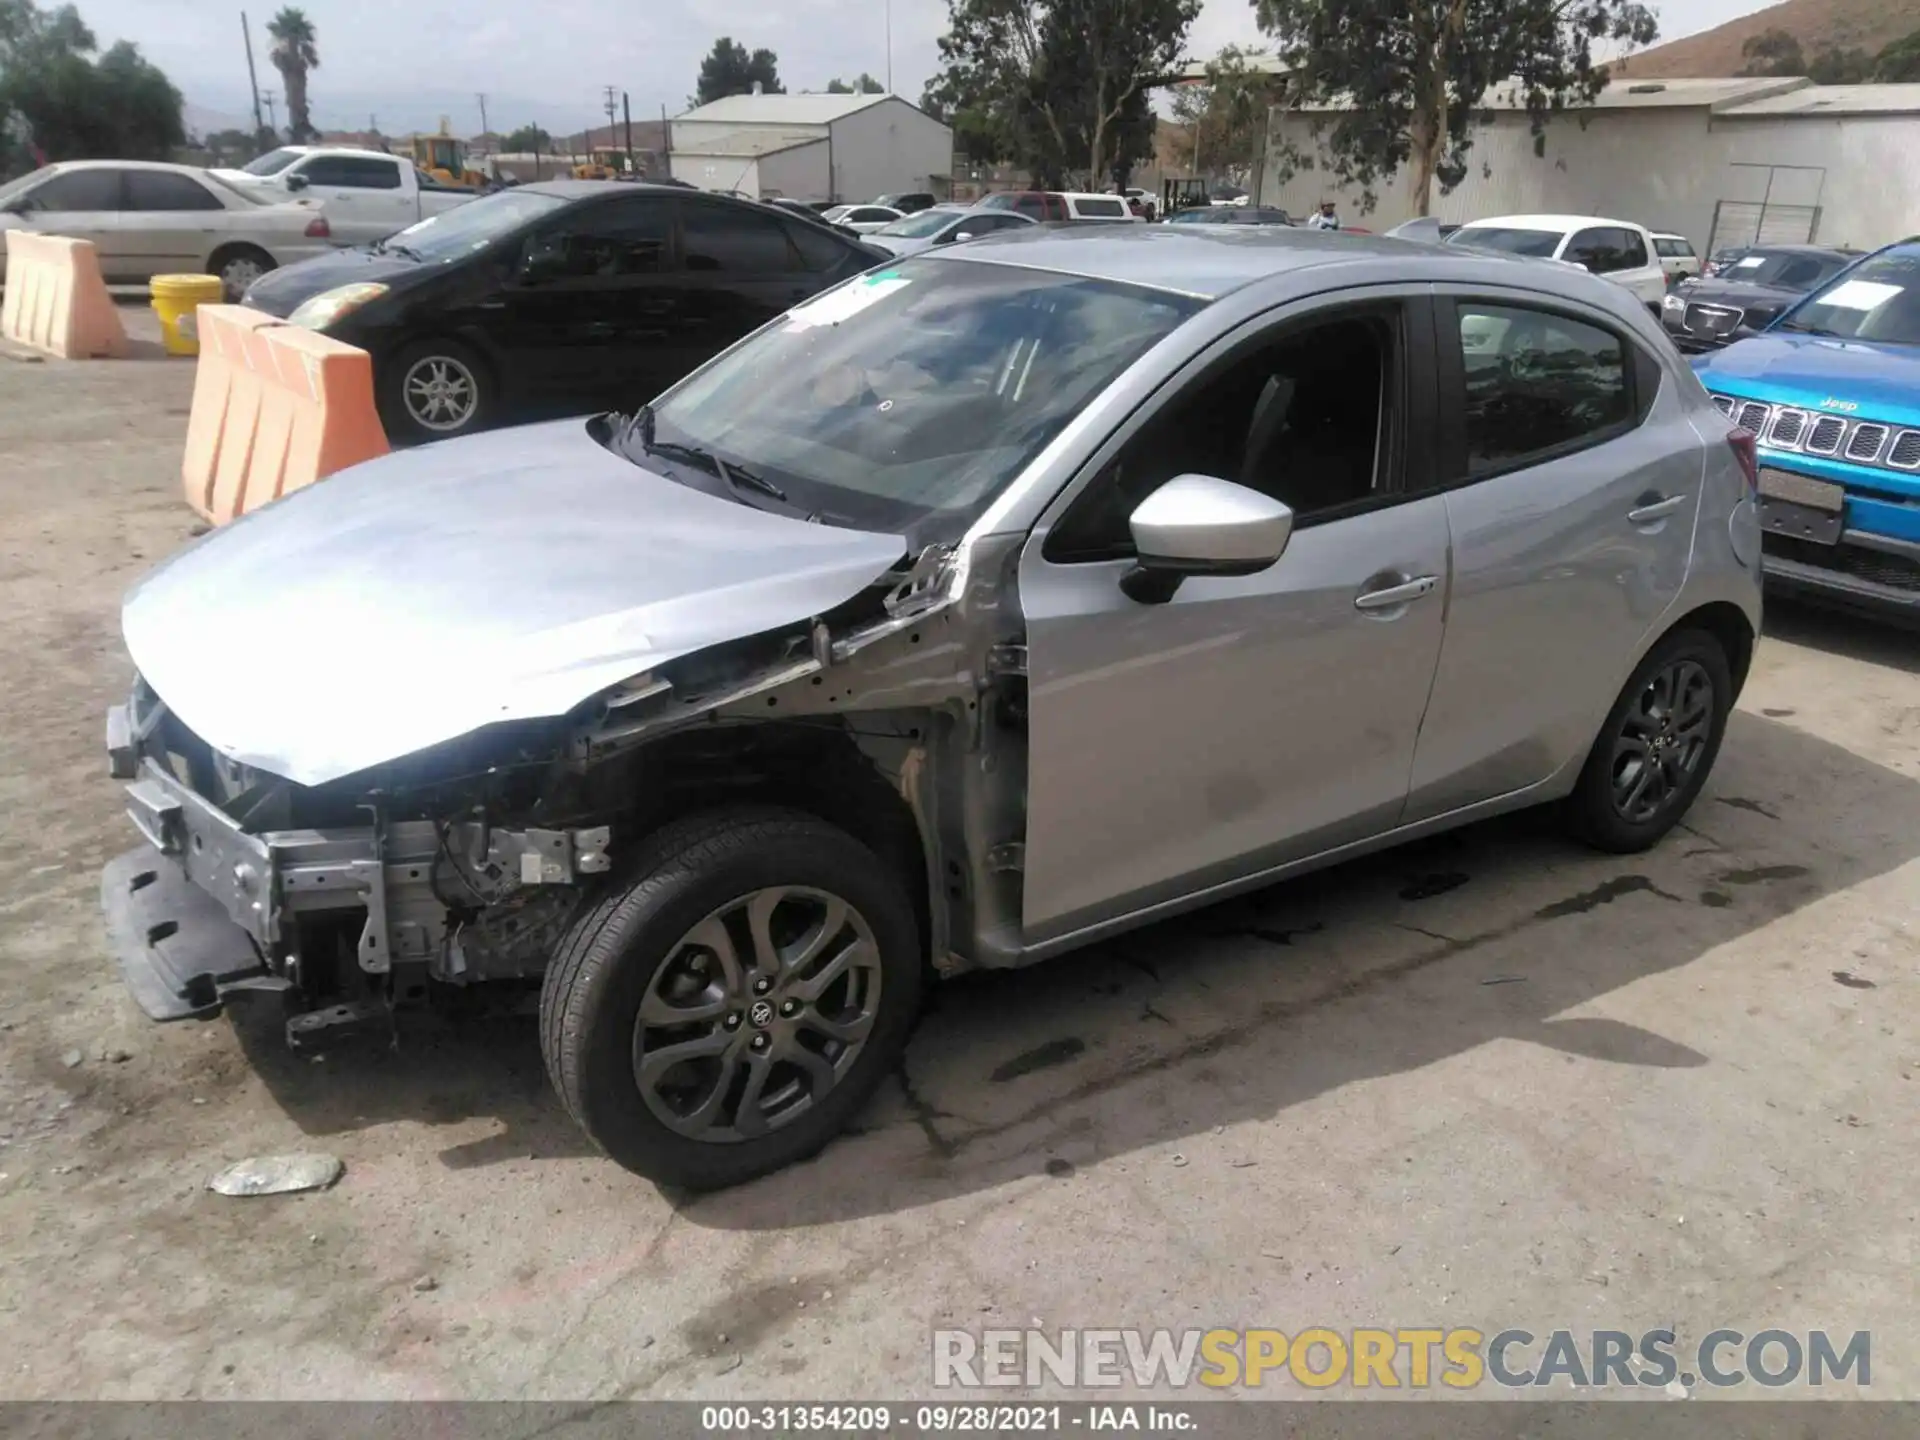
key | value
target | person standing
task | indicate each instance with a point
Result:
(1325, 218)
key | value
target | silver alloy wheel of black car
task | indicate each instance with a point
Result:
(440, 393)
(1661, 739)
(757, 1012)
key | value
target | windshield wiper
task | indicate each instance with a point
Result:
(1812, 330)
(737, 477)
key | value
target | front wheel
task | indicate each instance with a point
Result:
(434, 390)
(1657, 746)
(733, 998)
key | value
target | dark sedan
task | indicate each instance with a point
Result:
(557, 298)
(1749, 293)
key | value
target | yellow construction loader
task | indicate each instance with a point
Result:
(444, 159)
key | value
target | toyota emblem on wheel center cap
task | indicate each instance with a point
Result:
(761, 1014)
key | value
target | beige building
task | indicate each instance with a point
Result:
(812, 147)
(1723, 162)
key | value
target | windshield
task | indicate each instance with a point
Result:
(1514, 241)
(1209, 216)
(1002, 200)
(271, 163)
(917, 227)
(1878, 299)
(24, 183)
(905, 400)
(472, 226)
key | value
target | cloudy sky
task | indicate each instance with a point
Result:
(407, 62)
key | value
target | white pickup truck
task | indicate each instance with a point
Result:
(365, 195)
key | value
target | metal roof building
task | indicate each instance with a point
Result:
(1721, 161)
(811, 147)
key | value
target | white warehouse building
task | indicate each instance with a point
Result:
(811, 147)
(1722, 162)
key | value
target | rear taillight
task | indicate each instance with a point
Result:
(1746, 449)
(318, 229)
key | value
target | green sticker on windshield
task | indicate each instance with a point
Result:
(846, 302)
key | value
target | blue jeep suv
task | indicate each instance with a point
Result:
(1831, 391)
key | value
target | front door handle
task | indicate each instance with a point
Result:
(1652, 509)
(1400, 594)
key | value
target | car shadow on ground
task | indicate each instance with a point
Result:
(1841, 632)
(1377, 967)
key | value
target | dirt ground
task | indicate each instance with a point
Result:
(1492, 1080)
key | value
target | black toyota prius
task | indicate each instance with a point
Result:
(557, 298)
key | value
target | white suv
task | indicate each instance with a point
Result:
(1618, 250)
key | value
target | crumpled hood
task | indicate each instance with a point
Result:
(1882, 381)
(505, 576)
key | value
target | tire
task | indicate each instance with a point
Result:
(640, 941)
(238, 266)
(1602, 809)
(434, 390)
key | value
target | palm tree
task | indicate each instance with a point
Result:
(294, 53)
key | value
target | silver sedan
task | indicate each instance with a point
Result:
(943, 225)
(147, 219)
(1004, 599)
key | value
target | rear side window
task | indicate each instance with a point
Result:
(1033, 206)
(1097, 209)
(1538, 384)
(1630, 251)
(79, 190)
(733, 241)
(161, 190)
(352, 173)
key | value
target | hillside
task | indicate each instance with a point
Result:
(1849, 24)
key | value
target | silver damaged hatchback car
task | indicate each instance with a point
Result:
(980, 608)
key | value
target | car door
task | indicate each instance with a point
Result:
(1250, 721)
(84, 204)
(1573, 479)
(364, 198)
(169, 225)
(593, 315)
(741, 271)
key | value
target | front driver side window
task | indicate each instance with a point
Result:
(1538, 384)
(1303, 419)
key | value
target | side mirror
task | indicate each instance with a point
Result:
(1200, 525)
(297, 182)
(963, 235)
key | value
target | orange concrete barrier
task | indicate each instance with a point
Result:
(56, 300)
(275, 407)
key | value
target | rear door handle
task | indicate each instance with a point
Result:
(1654, 510)
(1401, 594)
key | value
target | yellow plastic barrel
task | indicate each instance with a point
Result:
(175, 299)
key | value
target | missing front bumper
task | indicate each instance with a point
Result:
(178, 951)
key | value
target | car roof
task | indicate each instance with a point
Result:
(1548, 222)
(120, 165)
(1795, 250)
(1207, 261)
(1668, 235)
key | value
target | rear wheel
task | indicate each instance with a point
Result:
(733, 998)
(1657, 746)
(238, 266)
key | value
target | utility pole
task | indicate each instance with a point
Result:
(611, 110)
(666, 143)
(626, 116)
(889, 46)
(253, 80)
(267, 98)
(485, 129)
